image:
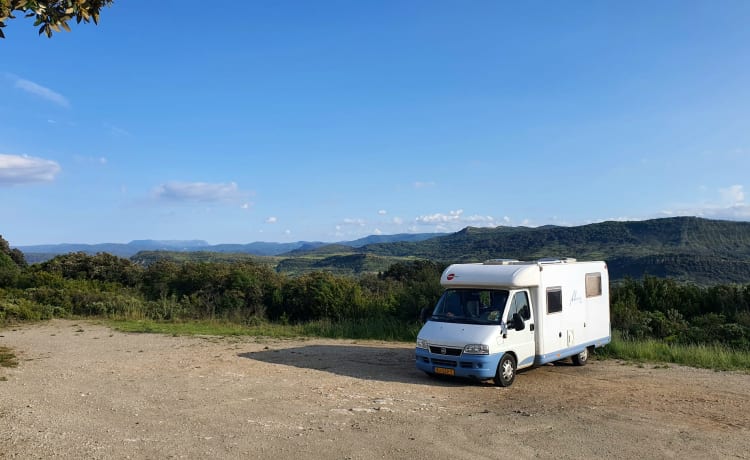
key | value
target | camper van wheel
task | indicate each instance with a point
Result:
(506, 371)
(581, 358)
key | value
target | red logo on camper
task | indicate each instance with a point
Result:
(450, 276)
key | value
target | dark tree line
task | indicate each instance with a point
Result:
(106, 285)
(664, 309)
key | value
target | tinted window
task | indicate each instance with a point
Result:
(554, 300)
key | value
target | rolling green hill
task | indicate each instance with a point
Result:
(690, 249)
(685, 248)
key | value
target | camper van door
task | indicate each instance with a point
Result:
(520, 324)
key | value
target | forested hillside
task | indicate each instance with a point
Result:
(247, 292)
(684, 248)
(687, 249)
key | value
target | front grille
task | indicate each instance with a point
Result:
(445, 351)
(444, 362)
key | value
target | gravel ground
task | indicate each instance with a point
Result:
(82, 390)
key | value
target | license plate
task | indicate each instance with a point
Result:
(444, 371)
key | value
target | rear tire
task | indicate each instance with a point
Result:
(506, 371)
(581, 358)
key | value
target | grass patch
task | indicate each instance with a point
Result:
(374, 329)
(7, 358)
(655, 352)
(714, 356)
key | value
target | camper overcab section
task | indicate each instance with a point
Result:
(503, 315)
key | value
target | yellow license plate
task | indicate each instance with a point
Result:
(444, 371)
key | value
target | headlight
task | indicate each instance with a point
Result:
(477, 349)
(422, 343)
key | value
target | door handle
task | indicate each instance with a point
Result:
(531, 327)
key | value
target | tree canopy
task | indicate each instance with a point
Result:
(52, 15)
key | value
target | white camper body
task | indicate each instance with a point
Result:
(502, 315)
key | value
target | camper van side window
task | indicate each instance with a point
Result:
(554, 300)
(593, 284)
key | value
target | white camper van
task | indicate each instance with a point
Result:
(502, 315)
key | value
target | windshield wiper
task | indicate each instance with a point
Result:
(438, 316)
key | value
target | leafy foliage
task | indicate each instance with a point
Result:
(52, 15)
(686, 248)
(666, 310)
(251, 293)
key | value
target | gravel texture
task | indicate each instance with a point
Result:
(82, 390)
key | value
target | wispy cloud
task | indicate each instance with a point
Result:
(115, 131)
(382, 212)
(22, 169)
(355, 222)
(440, 218)
(40, 91)
(90, 159)
(730, 205)
(202, 192)
(419, 184)
(272, 220)
(733, 195)
(455, 220)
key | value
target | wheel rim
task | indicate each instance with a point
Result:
(507, 370)
(584, 355)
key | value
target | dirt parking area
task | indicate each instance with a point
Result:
(82, 390)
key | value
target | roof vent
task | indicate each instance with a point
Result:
(552, 260)
(500, 261)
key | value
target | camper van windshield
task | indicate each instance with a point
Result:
(473, 306)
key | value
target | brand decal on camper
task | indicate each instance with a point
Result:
(450, 276)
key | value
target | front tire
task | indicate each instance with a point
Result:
(506, 371)
(581, 358)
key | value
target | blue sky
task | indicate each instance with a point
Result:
(331, 120)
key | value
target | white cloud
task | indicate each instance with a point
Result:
(41, 91)
(377, 231)
(245, 205)
(287, 232)
(356, 222)
(398, 220)
(199, 192)
(439, 218)
(477, 219)
(423, 184)
(272, 220)
(455, 220)
(22, 169)
(730, 205)
(733, 195)
(382, 212)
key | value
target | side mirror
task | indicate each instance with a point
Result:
(517, 322)
(424, 315)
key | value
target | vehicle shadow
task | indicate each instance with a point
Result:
(388, 364)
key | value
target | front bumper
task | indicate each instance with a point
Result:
(479, 367)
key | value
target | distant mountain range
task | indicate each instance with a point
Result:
(691, 249)
(42, 252)
(684, 248)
